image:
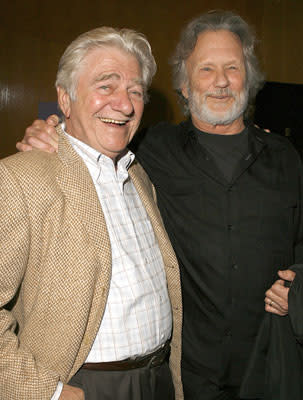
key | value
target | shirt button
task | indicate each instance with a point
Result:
(228, 332)
(230, 227)
(235, 266)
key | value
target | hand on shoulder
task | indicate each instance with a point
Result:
(41, 135)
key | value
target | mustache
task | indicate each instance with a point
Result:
(221, 92)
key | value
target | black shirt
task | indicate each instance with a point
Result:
(226, 150)
(230, 238)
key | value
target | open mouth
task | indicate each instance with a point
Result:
(113, 121)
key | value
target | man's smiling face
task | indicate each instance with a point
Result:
(109, 101)
(216, 79)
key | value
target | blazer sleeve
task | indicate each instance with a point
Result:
(21, 377)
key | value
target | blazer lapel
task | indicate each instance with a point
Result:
(79, 190)
(145, 191)
(147, 195)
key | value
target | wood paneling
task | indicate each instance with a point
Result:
(34, 34)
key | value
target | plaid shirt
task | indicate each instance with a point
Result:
(137, 318)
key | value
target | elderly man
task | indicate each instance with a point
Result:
(86, 265)
(230, 197)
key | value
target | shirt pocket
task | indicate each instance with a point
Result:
(277, 216)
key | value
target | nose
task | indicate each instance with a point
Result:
(222, 80)
(122, 103)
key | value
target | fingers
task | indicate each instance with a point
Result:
(23, 146)
(272, 305)
(43, 129)
(287, 275)
(274, 310)
(41, 135)
(42, 143)
(276, 300)
(52, 120)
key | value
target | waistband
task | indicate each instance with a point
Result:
(154, 359)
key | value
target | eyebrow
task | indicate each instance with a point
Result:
(211, 62)
(105, 77)
(115, 76)
(138, 81)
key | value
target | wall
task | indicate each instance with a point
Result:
(34, 34)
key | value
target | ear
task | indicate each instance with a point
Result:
(64, 101)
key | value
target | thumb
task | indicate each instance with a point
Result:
(287, 275)
(53, 120)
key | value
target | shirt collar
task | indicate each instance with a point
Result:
(93, 156)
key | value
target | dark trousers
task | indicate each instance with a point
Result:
(198, 388)
(137, 384)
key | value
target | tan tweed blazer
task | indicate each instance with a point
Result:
(55, 269)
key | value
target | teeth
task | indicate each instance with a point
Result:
(113, 121)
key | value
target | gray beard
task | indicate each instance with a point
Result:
(201, 110)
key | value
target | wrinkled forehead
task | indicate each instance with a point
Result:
(219, 42)
(108, 56)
